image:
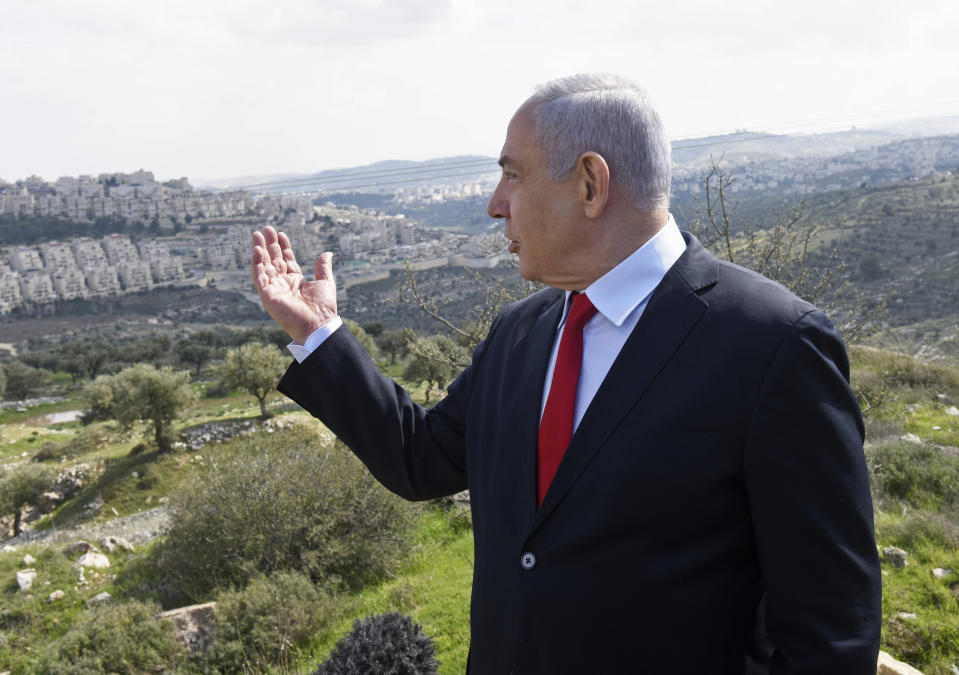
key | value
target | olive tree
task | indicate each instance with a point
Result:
(141, 393)
(23, 486)
(255, 368)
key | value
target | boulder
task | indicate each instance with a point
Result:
(28, 560)
(939, 572)
(95, 560)
(896, 556)
(25, 579)
(953, 411)
(194, 626)
(889, 666)
(911, 438)
(56, 595)
(70, 481)
(99, 599)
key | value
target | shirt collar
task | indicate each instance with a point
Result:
(621, 290)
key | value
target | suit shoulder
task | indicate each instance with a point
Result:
(755, 296)
(531, 305)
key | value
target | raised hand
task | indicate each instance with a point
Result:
(297, 305)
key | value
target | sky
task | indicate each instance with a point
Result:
(230, 88)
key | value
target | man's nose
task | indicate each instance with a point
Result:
(497, 207)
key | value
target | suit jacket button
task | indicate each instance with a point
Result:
(528, 561)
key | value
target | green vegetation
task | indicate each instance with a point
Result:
(255, 368)
(270, 622)
(21, 487)
(916, 499)
(141, 393)
(115, 638)
(275, 502)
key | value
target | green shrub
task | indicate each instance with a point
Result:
(881, 378)
(917, 475)
(281, 503)
(918, 527)
(267, 622)
(384, 643)
(49, 452)
(116, 638)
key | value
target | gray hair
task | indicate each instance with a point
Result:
(614, 117)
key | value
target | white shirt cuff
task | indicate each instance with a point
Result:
(317, 337)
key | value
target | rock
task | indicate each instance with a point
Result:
(889, 666)
(81, 547)
(99, 599)
(95, 560)
(911, 438)
(95, 505)
(56, 595)
(28, 560)
(907, 615)
(70, 481)
(80, 578)
(939, 572)
(896, 556)
(942, 398)
(111, 544)
(194, 626)
(25, 579)
(952, 410)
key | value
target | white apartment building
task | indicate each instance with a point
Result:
(69, 283)
(88, 253)
(57, 255)
(10, 295)
(135, 275)
(102, 280)
(37, 287)
(166, 269)
(220, 254)
(25, 258)
(120, 249)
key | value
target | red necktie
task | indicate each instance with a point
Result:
(556, 427)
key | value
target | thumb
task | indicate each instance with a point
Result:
(324, 267)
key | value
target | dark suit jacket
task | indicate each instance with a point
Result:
(720, 462)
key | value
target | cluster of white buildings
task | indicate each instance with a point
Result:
(83, 268)
(900, 160)
(132, 196)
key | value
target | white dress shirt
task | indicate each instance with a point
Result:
(620, 296)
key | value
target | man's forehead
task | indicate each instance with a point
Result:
(520, 135)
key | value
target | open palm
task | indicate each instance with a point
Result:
(297, 305)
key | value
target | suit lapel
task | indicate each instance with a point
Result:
(672, 312)
(531, 352)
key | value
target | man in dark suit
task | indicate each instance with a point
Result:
(663, 452)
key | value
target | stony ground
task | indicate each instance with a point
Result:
(138, 528)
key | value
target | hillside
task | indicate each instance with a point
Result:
(150, 501)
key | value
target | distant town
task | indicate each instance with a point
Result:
(210, 240)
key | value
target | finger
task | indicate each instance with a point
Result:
(276, 257)
(288, 256)
(324, 267)
(269, 234)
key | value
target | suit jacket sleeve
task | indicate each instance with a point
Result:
(415, 452)
(809, 495)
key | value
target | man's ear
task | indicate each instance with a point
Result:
(593, 176)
